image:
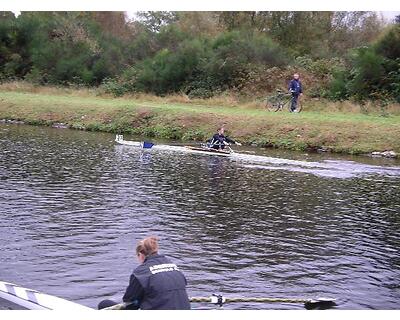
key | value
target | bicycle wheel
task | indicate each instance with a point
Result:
(273, 103)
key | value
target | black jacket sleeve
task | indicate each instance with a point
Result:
(229, 140)
(134, 291)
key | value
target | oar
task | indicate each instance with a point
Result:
(308, 303)
(319, 303)
(228, 147)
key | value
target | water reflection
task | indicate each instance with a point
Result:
(73, 204)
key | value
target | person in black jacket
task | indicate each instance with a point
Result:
(296, 89)
(219, 140)
(156, 284)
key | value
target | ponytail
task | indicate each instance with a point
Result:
(147, 246)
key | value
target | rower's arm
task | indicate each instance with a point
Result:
(232, 141)
(134, 291)
(229, 140)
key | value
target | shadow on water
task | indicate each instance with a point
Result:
(73, 205)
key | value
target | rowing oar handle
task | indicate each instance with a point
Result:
(119, 306)
(322, 303)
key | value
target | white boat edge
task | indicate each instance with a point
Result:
(35, 300)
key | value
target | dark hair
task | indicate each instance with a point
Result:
(147, 246)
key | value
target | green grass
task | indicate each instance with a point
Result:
(338, 131)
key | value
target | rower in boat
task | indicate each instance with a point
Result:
(219, 140)
(156, 284)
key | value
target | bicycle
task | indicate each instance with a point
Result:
(280, 100)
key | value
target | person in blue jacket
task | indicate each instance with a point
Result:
(295, 88)
(156, 284)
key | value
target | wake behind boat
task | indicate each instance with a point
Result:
(191, 149)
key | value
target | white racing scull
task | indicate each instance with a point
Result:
(188, 149)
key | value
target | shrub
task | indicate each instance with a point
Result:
(319, 67)
(168, 71)
(366, 74)
(203, 67)
(373, 72)
(113, 86)
(338, 86)
(389, 44)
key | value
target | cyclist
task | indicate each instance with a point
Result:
(295, 88)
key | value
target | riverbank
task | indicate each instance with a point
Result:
(172, 118)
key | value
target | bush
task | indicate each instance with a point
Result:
(202, 86)
(168, 71)
(338, 86)
(394, 81)
(125, 83)
(389, 44)
(366, 74)
(373, 72)
(203, 67)
(113, 86)
(233, 54)
(321, 67)
(36, 77)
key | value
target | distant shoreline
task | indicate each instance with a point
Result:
(169, 118)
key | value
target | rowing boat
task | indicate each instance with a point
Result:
(13, 296)
(189, 149)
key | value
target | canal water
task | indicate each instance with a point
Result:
(264, 224)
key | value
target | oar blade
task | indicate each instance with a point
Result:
(147, 144)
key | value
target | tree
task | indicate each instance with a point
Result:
(113, 23)
(154, 20)
(68, 47)
(388, 45)
(199, 23)
(373, 71)
(352, 29)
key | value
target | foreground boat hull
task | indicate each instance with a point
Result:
(23, 298)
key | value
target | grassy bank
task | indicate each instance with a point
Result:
(175, 118)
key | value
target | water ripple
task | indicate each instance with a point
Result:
(73, 205)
